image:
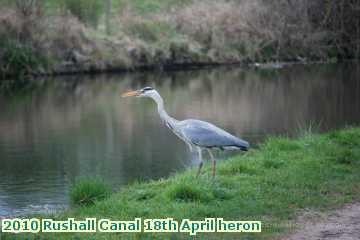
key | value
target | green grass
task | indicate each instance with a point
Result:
(144, 7)
(86, 191)
(271, 184)
(152, 31)
(19, 60)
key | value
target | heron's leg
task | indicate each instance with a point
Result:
(213, 161)
(190, 147)
(201, 162)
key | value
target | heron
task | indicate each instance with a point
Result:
(197, 134)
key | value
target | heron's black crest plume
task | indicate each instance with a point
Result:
(147, 89)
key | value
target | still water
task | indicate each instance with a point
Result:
(59, 129)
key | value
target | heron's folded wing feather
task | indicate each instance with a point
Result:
(207, 135)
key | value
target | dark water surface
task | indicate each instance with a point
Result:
(59, 129)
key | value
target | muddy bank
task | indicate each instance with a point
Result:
(341, 224)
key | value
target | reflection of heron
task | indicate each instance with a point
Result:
(196, 133)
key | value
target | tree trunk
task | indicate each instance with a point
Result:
(108, 16)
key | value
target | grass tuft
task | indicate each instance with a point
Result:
(87, 11)
(143, 195)
(86, 191)
(345, 156)
(345, 139)
(237, 168)
(222, 193)
(268, 163)
(188, 193)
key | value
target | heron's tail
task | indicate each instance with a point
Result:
(244, 149)
(243, 145)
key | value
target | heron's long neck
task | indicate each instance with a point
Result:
(163, 114)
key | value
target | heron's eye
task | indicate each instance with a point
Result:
(147, 89)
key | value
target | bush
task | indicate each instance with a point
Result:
(86, 191)
(35, 43)
(87, 11)
(19, 29)
(151, 31)
(19, 59)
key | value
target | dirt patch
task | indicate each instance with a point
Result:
(341, 224)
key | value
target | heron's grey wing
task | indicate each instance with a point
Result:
(205, 134)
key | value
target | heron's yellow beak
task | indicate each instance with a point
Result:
(131, 93)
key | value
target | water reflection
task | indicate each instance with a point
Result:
(68, 127)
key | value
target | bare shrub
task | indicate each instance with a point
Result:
(10, 25)
(245, 30)
(18, 28)
(65, 34)
(148, 29)
(23, 21)
(87, 11)
(29, 7)
(32, 42)
(342, 20)
(209, 22)
(256, 29)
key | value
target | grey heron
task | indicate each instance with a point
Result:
(197, 134)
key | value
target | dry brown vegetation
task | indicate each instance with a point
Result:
(28, 33)
(193, 32)
(258, 30)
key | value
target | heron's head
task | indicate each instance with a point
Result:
(144, 92)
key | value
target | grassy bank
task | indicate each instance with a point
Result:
(272, 184)
(69, 36)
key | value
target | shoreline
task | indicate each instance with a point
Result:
(174, 67)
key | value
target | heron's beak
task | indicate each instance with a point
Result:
(131, 93)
